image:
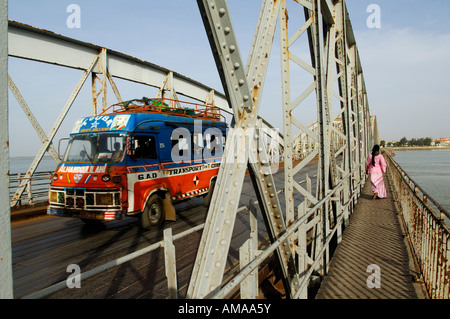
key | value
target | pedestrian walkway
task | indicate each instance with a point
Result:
(373, 253)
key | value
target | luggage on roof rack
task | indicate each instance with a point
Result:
(167, 106)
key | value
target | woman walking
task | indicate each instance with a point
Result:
(376, 166)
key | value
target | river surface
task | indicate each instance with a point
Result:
(430, 169)
(21, 164)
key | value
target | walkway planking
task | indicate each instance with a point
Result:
(374, 236)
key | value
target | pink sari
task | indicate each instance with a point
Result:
(376, 175)
(377, 182)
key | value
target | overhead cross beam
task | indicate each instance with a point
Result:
(52, 48)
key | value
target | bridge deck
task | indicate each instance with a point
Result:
(374, 236)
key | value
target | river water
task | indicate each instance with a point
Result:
(430, 169)
(21, 164)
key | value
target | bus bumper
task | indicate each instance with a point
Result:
(106, 215)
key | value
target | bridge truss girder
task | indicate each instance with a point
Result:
(334, 59)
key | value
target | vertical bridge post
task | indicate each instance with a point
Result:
(6, 286)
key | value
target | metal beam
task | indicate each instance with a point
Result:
(6, 286)
(26, 109)
(244, 89)
(49, 47)
(209, 265)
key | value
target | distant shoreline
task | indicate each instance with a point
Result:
(416, 148)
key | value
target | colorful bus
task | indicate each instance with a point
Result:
(138, 158)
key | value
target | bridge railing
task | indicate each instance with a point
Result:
(427, 229)
(36, 189)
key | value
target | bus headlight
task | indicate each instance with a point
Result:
(53, 197)
(104, 199)
(56, 197)
(117, 179)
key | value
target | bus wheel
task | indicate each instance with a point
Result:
(153, 213)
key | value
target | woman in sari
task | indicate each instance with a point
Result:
(376, 166)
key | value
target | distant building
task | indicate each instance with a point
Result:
(391, 144)
(442, 141)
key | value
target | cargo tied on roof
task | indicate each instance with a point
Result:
(167, 106)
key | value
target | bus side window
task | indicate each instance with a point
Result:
(197, 144)
(145, 147)
(214, 139)
(181, 145)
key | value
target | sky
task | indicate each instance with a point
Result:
(405, 60)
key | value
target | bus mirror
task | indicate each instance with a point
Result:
(59, 146)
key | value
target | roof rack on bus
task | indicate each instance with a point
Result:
(168, 107)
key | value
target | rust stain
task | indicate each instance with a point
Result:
(255, 92)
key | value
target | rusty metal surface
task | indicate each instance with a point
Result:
(427, 230)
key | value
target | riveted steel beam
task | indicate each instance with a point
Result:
(259, 166)
(102, 66)
(244, 88)
(344, 94)
(209, 266)
(324, 181)
(6, 278)
(26, 109)
(52, 48)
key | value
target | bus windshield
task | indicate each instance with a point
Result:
(96, 148)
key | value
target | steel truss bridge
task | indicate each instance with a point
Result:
(300, 231)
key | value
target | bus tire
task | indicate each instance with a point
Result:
(153, 214)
